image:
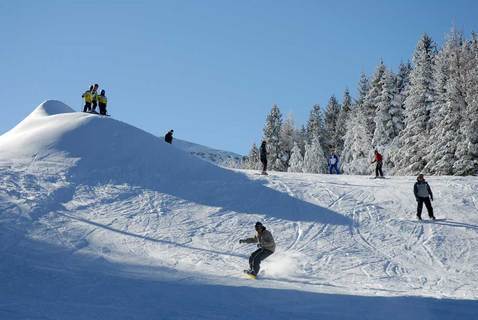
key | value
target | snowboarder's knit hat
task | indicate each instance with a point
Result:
(258, 224)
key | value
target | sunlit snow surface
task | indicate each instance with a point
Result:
(101, 220)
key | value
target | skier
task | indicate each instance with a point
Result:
(94, 97)
(263, 152)
(102, 101)
(266, 246)
(423, 194)
(378, 167)
(88, 99)
(169, 137)
(333, 163)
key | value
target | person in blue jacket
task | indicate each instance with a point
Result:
(333, 163)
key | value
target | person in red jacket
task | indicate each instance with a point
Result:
(378, 166)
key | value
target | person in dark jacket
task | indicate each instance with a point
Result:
(169, 137)
(263, 153)
(423, 194)
(265, 244)
(378, 167)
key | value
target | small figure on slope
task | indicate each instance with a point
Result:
(94, 97)
(169, 137)
(333, 163)
(423, 194)
(88, 99)
(102, 102)
(263, 153)
(378, 166)
(266, 246)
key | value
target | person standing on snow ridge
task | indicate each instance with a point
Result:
(265, 244)
(379, 161)
(102, 102)
(94, 97)
(423, 194)
(333, 163)
(263, 154)
(88, 99)
(169, 136)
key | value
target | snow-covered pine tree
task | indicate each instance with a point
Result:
(388, 117)
(287, 134)
(314, 158)
(447, 108)
(371, 100)
(413, 138)
(253, 159)
(403, 85)
(363, 89)
(300, 138)
(331, 135)
(315, 125)
(342, 120)
(357, 145)
(296, 162)
(272, 130)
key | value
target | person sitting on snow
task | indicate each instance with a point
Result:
(265, 244)
(169, 137)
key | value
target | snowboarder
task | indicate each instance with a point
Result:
(378, 167)
(169, 137)
(423, 194)
(265, 244)
(88, 99)
(94, 97)
(333, 163)
(263, 152)
(102, 102)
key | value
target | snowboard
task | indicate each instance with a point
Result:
(379, 178)
(249, 276)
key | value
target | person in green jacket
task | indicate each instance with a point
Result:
(102, 102)
(265, 244)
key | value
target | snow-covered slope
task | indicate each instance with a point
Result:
(219, 157)
(101, 220)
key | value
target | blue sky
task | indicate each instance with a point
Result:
(211, 70)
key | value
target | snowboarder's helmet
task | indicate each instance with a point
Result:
(258, 225)
(420, 177)
(102, 92)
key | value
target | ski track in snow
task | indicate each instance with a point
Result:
(68, 230)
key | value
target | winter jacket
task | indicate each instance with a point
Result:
(88, 97)
(263, 153)
(333, 160)
(94, 96)
(421, 189)
(265, 239)
(169, 137)
(378, 157)
(102, 99)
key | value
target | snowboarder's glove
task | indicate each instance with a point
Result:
(431, 198)
(242, 241)
(259, 245)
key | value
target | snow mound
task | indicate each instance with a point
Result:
(50, 108)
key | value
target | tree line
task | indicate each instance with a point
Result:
(422, 118)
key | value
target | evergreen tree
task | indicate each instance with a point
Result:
(342, 120)
(253, 159)
(357, 145)
(272, 133)
(331, 135)
(314, 158)
(388, 118)
(287, 141)
(296, 160)
(300, 138)
(412, 144)
(371, 100)
(315, 125)
(363, 89)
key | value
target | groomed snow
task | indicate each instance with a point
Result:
(101, 220)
